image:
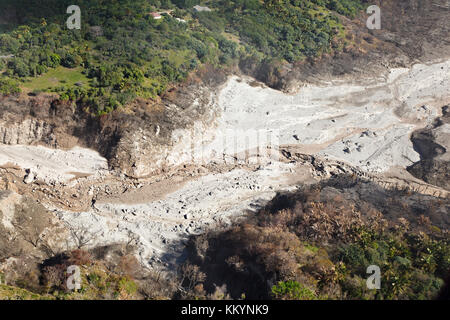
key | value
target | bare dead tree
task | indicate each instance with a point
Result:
(82, 236)
(191, 276)
(8, 245)
(30, 221)
(47, 249)
(132, 241)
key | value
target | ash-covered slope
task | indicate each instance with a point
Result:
(348, 121)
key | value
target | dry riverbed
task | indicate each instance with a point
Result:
(366, 125)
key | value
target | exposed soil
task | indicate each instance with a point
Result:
(433, 145)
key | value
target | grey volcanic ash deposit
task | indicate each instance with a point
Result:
(362, 126)
(370, 113)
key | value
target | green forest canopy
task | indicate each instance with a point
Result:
(121, 52)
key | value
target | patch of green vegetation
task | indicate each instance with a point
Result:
(9, 86)
(292, 290)
(128, 286)
(57, 77)
(14, 293)
(311, 247)
(413, 265)
(98, 283)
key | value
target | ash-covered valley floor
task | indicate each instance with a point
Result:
(353, 126)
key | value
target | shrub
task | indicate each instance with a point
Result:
(292, 290)
(127, 286)
(9, 87)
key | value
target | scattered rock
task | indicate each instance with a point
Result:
(29, 177)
